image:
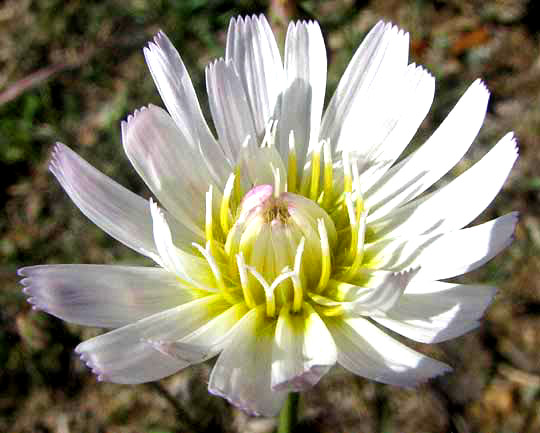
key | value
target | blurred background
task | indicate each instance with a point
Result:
(72, 70)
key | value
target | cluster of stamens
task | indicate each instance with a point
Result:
(284, 245)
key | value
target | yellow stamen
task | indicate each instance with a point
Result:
(315, 174)
(353, 227)
(225, 201)
(215, 270)
(359, 256)
(232, 239)
(269, 295)
(328, 173)
(347, 178)
(325, 307)
(297, 283)
(285, 274)
(339, 290)
(358, 191)
(208, 229)
(291, 179)
(332, 311)
(244, 281)
(305, 183)
(237, 186)
(325, 257)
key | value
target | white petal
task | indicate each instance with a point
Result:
(257, 165)
(367, 351)
(388, 123)
(433, 311)
(303, 350)
(182, 352)
(101, 295)
(380, 292)
(123, 215)
(416, 173)
(176, 90)
(303, 97)
(192, 269)
(230, 109)
(383, 51)
(129, 354)
(242, 373)
(252, 48)
(445, 256)
(456, 204)
(175, 172)
(383, 292)
(373, 113)
(214, 334)
(208, 340)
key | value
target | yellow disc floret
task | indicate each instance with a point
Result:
(288, 248)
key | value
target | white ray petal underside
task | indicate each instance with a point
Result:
(176, 89)
(102, 295)
(128, 355)
(303, 96)
(253, 50)
(456, 204)
(383, 51)
(117, 211)
(366, 350)
(445, 255)
(174, 172)
(442, 151)
(433, 311)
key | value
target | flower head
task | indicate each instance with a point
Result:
(293, 239)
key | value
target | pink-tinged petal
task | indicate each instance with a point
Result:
(117, 211)
(130, 354)
(229, 105)
(208, 340)
(176, 90)
(101, 295)
(176, 173)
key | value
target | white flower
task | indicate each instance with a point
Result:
(292, 240)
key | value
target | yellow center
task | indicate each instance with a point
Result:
(283, 249)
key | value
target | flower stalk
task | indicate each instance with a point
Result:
(288, 417)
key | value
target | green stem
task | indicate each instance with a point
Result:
(288, 416)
